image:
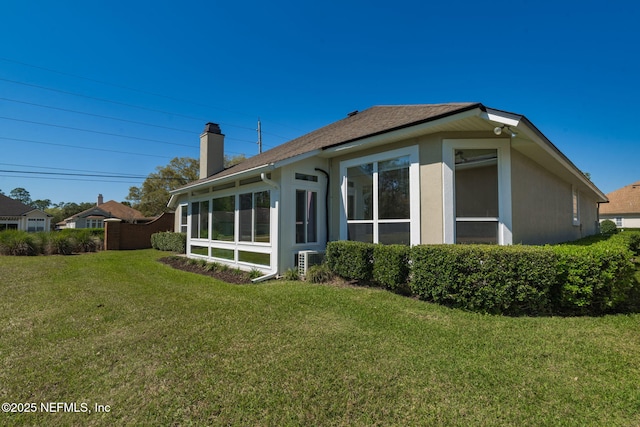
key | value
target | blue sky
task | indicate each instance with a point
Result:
(163, 69)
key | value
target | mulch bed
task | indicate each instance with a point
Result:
(229, 276)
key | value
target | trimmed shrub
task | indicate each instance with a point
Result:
(593, 279)
(351, 260)
(608, 227)
(319, 273)
(391, 265)
(169, 241)
(490, 279)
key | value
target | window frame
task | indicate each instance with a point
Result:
(414, 192)
(575, 206)
(504, 219)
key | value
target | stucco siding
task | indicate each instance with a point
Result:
(542, 205)
(431, 220)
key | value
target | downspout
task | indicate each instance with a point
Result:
(326, 204)
(263, 177)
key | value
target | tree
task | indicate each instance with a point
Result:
(152, 197)
(41, 204)
(21, 195)
(2, 192)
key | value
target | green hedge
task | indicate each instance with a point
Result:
(351, 260)
(592, 279)
(490, 279)
(391, 265)
(169, 241)
(591, 276)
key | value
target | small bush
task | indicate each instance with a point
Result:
(351, 260)
(17, 242)
(608, 227)
(291, 274)
(320, 273)
(85, 241)
(61, 244)
(391, 265)
(255, 273)
(169, 241)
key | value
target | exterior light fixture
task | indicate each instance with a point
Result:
(498, 130)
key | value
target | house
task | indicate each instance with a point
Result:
(94, 217)
(15, 215)
(408, 174)
(623, 207)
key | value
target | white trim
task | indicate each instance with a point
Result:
(503, 147)
(414, 191)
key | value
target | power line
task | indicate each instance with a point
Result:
(95, 131)
(75, 174)
(85, 148)
(71, 179)
(139, 91)
(111, 118)
(96, 115)
(117, 102)
(62, 169)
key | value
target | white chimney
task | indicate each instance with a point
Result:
(100, 200)
(211, 150)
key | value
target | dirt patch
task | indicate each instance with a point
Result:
(229, 276)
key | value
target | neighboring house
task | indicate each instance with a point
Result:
(94, 217)
(410, 174)
(623, 207)
(15, 215)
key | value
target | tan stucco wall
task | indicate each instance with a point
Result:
(542, 205)
(431, 190)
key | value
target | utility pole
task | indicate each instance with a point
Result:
(259, 137)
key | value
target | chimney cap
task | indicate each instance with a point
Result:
(212, 128)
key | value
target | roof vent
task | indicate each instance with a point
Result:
(353, 113)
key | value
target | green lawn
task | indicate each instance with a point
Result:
(165, 347)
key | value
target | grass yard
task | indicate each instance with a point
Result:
(166, 347)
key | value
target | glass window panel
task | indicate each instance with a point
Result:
(183, 218)
(246, 213)
(262, 216)
(254, 257)
(195, 220)
(312, 213)
(200, 250)
(394, 233)
(223, 213)
(476, 183)
(300, 216)
(360, 232)
(477, 232)
(222, 253)
(204, 220)
(393, 189)
(306, 216)
(361, 177)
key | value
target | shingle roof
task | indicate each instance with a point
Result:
(625, 200)
(11, 207)
(370, 122)
(114, 209)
